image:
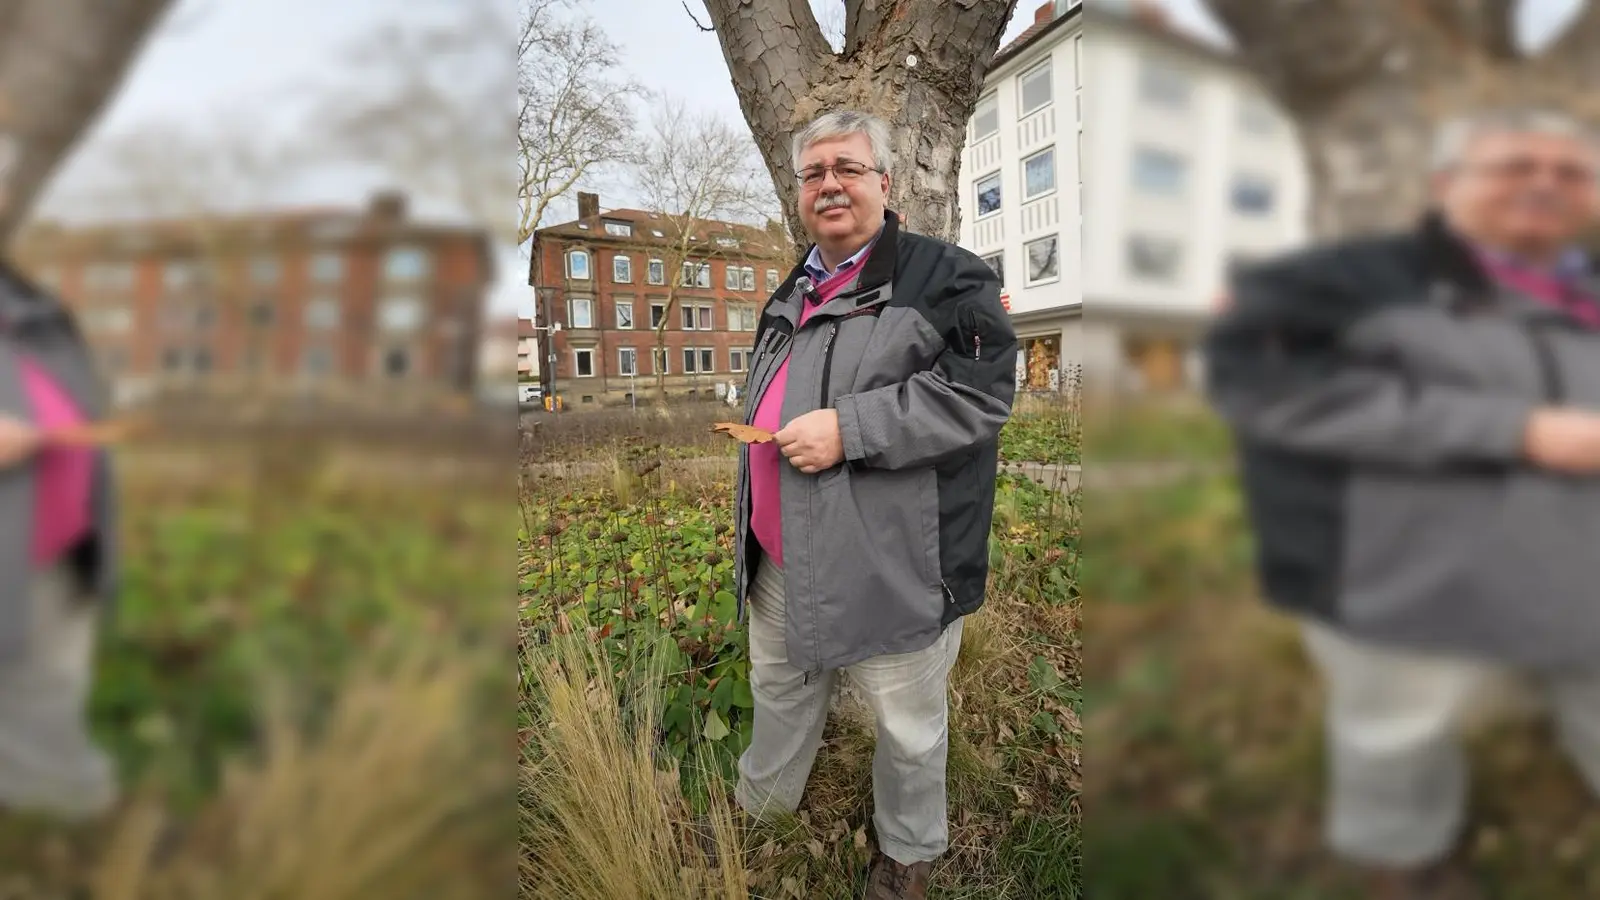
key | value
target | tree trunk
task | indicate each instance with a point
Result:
(60, 61)
(918, 64)
(1368, 82)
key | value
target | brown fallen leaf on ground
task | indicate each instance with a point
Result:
(748, 434)
(97, 434)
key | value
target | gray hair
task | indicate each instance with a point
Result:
(1457, 136)
(842, 123)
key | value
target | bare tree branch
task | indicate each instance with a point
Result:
(694, 18)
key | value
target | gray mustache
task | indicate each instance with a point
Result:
(830, 201)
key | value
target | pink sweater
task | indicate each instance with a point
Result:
(62, 475)
(1546, 286)
(766, 518)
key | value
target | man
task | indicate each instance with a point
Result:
(884, 365)
(1419, 423)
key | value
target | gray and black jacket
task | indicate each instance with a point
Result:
(919, 358)
(1380, 390)
(35, 323)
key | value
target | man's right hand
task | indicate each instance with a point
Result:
(1564, 440)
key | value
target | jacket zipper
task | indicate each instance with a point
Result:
(827, 363)
(969, 323)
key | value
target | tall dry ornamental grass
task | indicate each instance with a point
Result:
(600, 818)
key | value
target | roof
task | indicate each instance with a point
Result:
(1147, 18)
(658, 228)
(1032, 35)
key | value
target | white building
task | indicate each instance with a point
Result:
(1020, 188)
(1118, 175)
(1190, 167)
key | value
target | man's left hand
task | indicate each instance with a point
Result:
(812, 443)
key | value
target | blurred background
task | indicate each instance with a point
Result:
(286, 231)
(1225, 131)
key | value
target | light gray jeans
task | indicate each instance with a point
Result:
(1397, 790)
(48, 763)
(906, 693)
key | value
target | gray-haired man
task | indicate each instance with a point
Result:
(1419, 422)
(885, 366)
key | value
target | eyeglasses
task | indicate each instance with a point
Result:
(1522, 168)
(845, 172)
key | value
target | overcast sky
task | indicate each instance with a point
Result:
(1537, 22)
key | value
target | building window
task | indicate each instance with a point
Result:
(200, 360)
(581, 315)
(400, 314)
(327, 266)
(172, 359)
(316, 360)
(730, 278)
(997, 262)
(688, 318)
(583, 363)
(261, 313)
(708, 360)
(988, 192)
(1044, 259)
(698, 318)
(109, 276)
(627, 361)
(624, 314)
(264, 270)
(396, 362)
(1039, 174)
(986, 117)
(656, 272)
(619, 229)
(1163, 84)
(411, 264)
(1034, 88)
(1158, 171)
(178, 274)
(621, 270)
(658, 314)
(696, 275)
(727, 242)
(690, 357)
(205, 317)
(772, 281)
(747, 279)
(737, 360)
(322, 314)
(659, 359)
(578, 265)
(1153, 258)
(1252, 195)
(742, 317)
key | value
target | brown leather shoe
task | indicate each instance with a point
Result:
(889, 880)
(1445, 881)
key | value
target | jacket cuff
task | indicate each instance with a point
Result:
(850, 428)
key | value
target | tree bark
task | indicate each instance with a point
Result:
(60, 61)
(1368, 82)
(918, 64)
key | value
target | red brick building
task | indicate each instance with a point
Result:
(328, 298)
(604, 279)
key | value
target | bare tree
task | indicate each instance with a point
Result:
(573, 112)
(1367, 80)
(917, 63)
(418, 101)
(60, 61)
(698, 173)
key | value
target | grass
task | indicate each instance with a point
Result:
(1206, 732)
(295, 660)
(641, 577)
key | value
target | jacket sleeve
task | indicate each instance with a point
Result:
(960, 401)
(1281, 372)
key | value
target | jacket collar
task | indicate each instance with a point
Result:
(1448, 257)
(879, 266)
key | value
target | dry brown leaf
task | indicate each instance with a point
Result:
(97, 434)
(861, 838)
(815, 846)
(747, 434)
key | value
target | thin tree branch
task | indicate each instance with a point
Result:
(695, 19)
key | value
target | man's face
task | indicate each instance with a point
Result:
(844, 206)
(1522, 192)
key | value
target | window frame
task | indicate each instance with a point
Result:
(977, 195)
(1023, 110)
(577, 371)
